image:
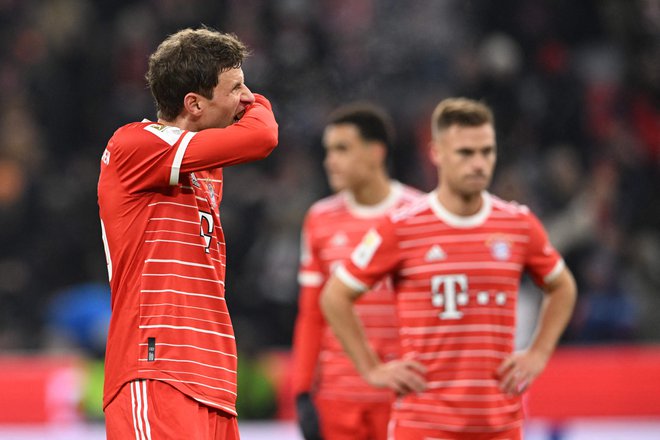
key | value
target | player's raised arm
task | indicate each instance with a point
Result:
(252, 138)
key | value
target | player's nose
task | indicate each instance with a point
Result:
(247, 97)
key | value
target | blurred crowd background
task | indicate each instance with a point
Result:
(575, 87)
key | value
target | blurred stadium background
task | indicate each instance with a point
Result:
(576, 90)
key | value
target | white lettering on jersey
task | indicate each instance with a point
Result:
(448, 291)
(451, 291)
(365, 251)
(106, 157)
(206, 228)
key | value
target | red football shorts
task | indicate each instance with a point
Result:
(350, 420)
(398, 432)
(152, 409)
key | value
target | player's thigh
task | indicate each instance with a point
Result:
(150, 409)
(341, 420)
(397, 431)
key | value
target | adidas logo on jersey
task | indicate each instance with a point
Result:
(435, 254)
(339, 239)
(194, 180)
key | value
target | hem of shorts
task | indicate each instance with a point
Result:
(223, 406)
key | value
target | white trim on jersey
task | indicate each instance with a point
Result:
(215, 405)
(458, 221)
(140, 408)
(350, 280)
(310, 279)
(192, 329)
(184, 263)
(554, 273)
(379, 209)
(178, 157)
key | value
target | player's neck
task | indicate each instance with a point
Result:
(179, 122)
(459, 204)
(373, 191)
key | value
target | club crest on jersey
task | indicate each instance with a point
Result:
(211, 191)
(500, 248)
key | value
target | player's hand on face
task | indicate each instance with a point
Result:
(518, 371)
(402, 376)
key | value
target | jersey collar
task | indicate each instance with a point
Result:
(379, 209)
(459, 221)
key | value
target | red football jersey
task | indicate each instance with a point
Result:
(159, 193)
(332, 228)
(456, 281)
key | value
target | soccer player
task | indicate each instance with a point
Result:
(456, 257)
(170, 367)
(356, 140)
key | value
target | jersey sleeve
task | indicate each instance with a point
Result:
(376, 256)
(543, 262)
(252, 138)
(310, 323)
(154, 155)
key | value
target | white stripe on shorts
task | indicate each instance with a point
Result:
(140, 406)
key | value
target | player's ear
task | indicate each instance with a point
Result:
(434, 152)
(380, 151)
(193, 104)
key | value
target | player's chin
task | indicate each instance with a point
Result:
(336, 183)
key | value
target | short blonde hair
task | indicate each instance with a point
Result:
(460, 111)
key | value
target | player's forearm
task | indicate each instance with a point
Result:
(252, 138)
(556, 311)
(337, 306)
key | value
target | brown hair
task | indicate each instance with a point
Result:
(460, 111)
(190, 61)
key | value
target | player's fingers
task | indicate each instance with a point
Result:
(506, 365)
(416, 366)
(522, 386)
(414, 381)
(508, 383)
(408, 379)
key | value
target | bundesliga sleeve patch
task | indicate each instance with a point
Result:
(365, 251)
(167, 133)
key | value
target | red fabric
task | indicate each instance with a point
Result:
(350, 420)
(456, 281)
(308, 332)
(332, 228)
(151, 409)
(159, 194)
